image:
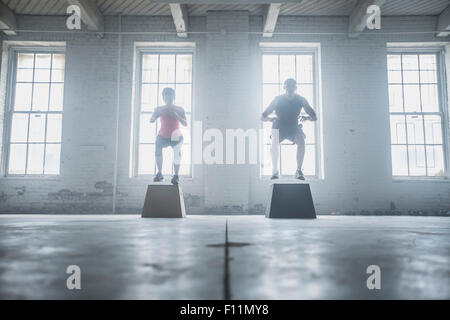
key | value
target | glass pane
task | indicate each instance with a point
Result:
(395, 76)
(307, 91)
(399, 161)
(167, 68)
(410, 76)
(54, 127)
(183, 96)
(25, 60)
(35, 159)
(415, 129)
(150, 68)
(430, 98)
(40, 96)
(304, 69)
(433, 129)
(288, 159)
(186, 131)
(417, 160)
(398, 130)
(56, 96)
(184, 68)
(394, 62)
(410, 62)
(287, 67)
(309, 163)
(19, 128)
(395, 98)
(43, 60)
(42, 75)
(185, 168)
(22, 97)
(428, 77)
(24, 75)
(37, 128)
(270, 68)
(59, 61)
(412, 98)
(270, 91)
(52, 156)
(147, 130)
(17, 158)
(428, 62)
(149, 97)
(309, 130)
(58, 75)
(266, 162)
(146, 162)
(435, 160)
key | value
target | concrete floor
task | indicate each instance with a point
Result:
(126, 257)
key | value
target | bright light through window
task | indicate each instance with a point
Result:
(416, 115)
(276, 69)
(36, 118)
(159, 71)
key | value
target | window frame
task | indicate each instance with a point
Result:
(443, 110)
(297, 49)
(155, 48)
(13, 52)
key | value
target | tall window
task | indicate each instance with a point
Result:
(276, 69)
(416, 114)
(36, 113)
(158, 71)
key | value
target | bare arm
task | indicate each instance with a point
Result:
(155, 114)
(181, 116)
(310, 111)
(271, 108)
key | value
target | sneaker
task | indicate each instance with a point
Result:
(275, 176)
(299, 175)
(159, 177)
(175, 180)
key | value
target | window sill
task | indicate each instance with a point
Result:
(37, 177)
(420, 179)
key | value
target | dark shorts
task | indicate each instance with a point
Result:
(162, 142)
(290, 132)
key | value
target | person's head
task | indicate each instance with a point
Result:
(168, 95)
(290, 85)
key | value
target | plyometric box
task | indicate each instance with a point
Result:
(290, 201)
(164, 201)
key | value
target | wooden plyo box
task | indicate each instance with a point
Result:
(290, 201)
(164, 201)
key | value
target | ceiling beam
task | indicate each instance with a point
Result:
(270, 19)
(444, 23)
(180, 18)
(358, 18)
(7, 20)
(90, 14)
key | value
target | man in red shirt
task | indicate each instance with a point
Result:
(169, 134)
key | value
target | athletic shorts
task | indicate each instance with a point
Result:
(290, 133)
(163, 142)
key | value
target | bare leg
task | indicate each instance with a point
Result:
(275, 151)
(177, 158)
(300, 142)
(159, 163)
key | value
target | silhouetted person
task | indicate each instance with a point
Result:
(169, 134)
(287, 108)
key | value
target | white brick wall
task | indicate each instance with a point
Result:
(355, 118)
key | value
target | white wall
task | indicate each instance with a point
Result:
(355, 117)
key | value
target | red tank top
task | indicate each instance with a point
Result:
(168, 125)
